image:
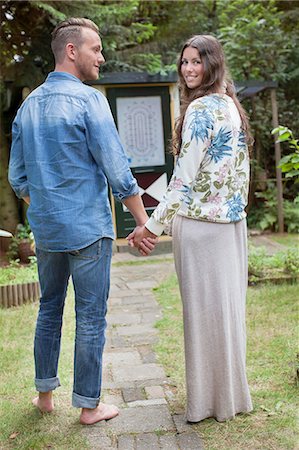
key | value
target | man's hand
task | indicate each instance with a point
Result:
(142, 239)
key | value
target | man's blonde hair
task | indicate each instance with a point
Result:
(69, 30)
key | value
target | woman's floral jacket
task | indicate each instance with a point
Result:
(211, 176)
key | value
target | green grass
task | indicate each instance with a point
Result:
(142, 262)
(287, 239)
(272, 320)
(21, 425)
(16, 273)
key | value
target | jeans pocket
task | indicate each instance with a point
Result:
(93, 251)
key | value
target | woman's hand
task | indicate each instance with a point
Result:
(142, 239)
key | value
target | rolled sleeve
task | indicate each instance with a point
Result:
(104, 144)
(16, 171)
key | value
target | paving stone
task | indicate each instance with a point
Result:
(114, 302)
(169, 442)
(123, 319)
(137, 372)
(114, 290)
(146, 308)
(113, 397)
(126, 442)
(150, 382)
(169, 395)
(140, 339)
(142, 284)
(147, 441)
(181, 424)
(142, 420)
(151, 317)
(152, 401)
(118, 342)
(139, 299)
(97, 438)
(131, 374)
(190, 441)
(116, 278)
(124, 292)
(121, 285)
(116, 358)
(135, 330)
(133, 394)
(147, 354)
(107, 375)
(139, 308)
(154, 392)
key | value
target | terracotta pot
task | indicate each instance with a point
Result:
(25, 250)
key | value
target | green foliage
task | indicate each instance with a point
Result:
(291, 261)
(21, 426)
(289, 164)
(23, 232)
(256, 261)
(272, 322)
(260, 41)
(264, 215)
(14, 273)
(256, 27)
(261, 265)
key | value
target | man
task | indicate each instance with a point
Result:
(65, 147)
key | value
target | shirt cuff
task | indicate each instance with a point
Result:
(22, 191)
(154, 227)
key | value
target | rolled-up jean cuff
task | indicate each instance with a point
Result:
(46, 384)
(79, 401)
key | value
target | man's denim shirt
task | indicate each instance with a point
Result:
(65, 148)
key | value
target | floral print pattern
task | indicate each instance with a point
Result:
(211, 176)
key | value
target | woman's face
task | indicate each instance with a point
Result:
(192, 68)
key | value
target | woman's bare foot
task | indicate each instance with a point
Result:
(101, 412)
(44, 401)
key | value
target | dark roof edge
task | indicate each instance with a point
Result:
(134, 78)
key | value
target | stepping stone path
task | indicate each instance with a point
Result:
(132, 378)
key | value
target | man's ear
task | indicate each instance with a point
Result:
(70, 51)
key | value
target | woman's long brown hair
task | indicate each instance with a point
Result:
(215, 79)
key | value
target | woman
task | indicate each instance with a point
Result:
(204, 203)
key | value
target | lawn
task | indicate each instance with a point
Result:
(17, 273)
(272, 314)
(272, 330)
(21, 425)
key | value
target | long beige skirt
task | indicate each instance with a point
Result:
(211, 265)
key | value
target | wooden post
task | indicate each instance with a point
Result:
(277, 159)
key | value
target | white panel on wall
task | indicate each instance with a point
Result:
(140, 127)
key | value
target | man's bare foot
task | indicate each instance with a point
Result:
(44, 402)
(101, 412)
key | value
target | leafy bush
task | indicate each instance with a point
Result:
(14, 273)
(291, 262)
(264, 216)
(289, 164)
(23, 232)
(260, 264)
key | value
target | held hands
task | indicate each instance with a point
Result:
(142, 239)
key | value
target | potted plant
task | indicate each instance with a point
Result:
(22, 244)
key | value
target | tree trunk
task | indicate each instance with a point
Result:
(9, 217)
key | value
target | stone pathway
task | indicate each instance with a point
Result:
(132, 378)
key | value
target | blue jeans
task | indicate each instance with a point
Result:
(90, 271)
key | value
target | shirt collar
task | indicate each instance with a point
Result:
(60, 76)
